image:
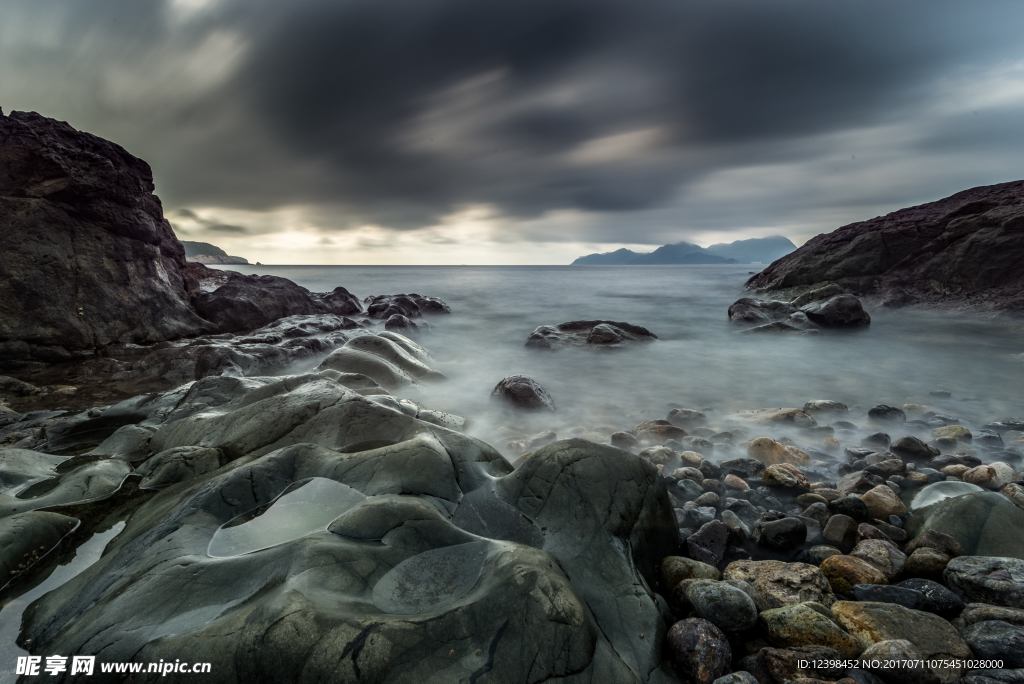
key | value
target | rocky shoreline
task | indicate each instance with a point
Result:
(275, 503)
(744, 547)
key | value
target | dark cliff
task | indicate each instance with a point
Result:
(965, 250)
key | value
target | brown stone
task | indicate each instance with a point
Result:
(927, 563)
(842, 572)
(770, 452)
(785, 475)
(782, 583)
(883, 502)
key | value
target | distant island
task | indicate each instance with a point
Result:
(756, 250)
(205, 253)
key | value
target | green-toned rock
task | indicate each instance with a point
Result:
(985, 523)
(729, 608)
(782, 583)
(957, 432)
(842, 572)
(869, 623)
(676, 568)
(25, 537)
(807, 624)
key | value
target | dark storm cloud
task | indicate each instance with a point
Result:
(398, 111)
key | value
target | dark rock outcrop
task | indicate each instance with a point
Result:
(86, 256)
(595, 334)
(964, 250)
(804, 314)
(408, 305)
(88, 261)
(241, 303)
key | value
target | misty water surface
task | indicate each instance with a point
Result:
(699, 361)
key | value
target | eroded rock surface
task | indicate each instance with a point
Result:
(554, 584)
(964, 249)
(594, 334)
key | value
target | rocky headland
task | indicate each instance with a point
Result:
(964, 251)
(270, 501)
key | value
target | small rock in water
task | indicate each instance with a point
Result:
(841, 311)
(914, 448)
(624, 440)
(887, 414)
(684, 417)
(522, 392)
(785, 475)
(658, 431)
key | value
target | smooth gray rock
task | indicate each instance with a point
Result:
(392, 568)
(985, 523)
(729, 608)
(987, 579)
(997, 640)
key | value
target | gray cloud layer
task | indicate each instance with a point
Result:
(394, 112)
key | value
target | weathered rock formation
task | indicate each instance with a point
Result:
(302, 531)
(86, 257)
(595, 334)
(964, 250)
(87, 260)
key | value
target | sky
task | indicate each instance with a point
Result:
(527, 131)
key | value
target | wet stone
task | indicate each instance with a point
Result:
(431, 580)
(482, 513)
(304, 508)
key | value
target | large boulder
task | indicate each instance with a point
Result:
(984, 523)
(246, 302)
(303, 528)
(963, 249)
(86, 255)
(89, 262)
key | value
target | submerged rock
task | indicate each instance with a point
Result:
(596, 334)
(408, 305)
(842, 311)
(984, 523)
(521, 392)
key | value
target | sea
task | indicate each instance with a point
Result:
(699, 361)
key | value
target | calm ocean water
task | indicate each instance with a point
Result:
(699, 361)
